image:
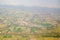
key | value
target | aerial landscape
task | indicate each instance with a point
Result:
(29, 22)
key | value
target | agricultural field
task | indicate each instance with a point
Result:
(17, 24)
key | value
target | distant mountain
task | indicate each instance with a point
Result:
(40, 9)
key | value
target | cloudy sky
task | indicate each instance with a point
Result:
(30, 3)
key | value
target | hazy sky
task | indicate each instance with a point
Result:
(29, 3)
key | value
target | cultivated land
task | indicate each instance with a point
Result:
(16, 24)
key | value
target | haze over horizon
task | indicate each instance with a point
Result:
(31, 3)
